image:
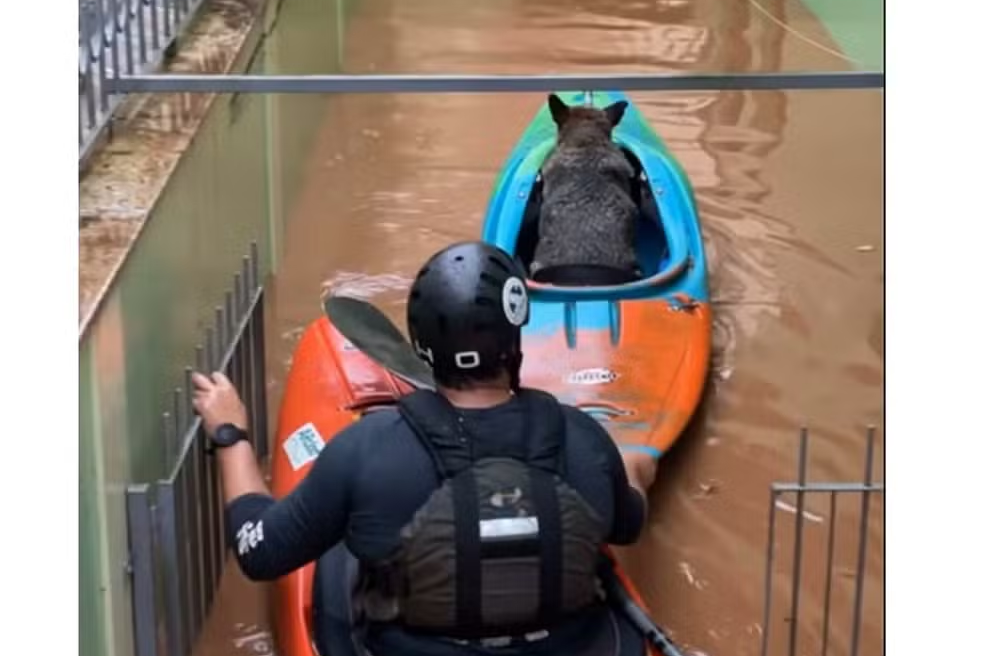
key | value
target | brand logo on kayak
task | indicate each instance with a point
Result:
(515, 303)
(595, 376)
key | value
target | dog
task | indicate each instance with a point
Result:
(588, 215)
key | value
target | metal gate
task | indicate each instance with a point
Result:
(177, 545)
(116, 38)
(866, 487)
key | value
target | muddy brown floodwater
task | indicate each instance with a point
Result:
(790, 190)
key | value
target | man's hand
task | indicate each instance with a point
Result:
(640, 468)
(217, 401)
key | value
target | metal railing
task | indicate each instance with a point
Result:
(177, 544)
(121, 37)
(835, 490)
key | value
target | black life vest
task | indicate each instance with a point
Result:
(504, 546)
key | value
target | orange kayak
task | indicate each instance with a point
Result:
(330, 385)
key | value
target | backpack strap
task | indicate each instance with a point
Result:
(440, 429)
(546, 431)
(545, 438)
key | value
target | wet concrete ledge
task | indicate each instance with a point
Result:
(128, 172)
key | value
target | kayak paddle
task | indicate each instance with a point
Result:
(374, 334)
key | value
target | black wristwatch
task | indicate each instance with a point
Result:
(225, 435)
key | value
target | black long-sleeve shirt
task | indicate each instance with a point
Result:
(368, 481)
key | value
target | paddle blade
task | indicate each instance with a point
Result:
(374, 334)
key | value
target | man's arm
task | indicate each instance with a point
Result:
(631, 478)
(640, 468)
(272, 538)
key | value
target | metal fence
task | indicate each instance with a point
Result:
(177, 544)
(121, 37)
(866, 488)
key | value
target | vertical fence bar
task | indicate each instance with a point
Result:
(155, 34)
(194, 525)
(169, 452)
(101, 50)
(128, 36)
(222, 337)
(232, 318)
(173, 19)
(182, 504)
(141, 31)
(187, 401)
(169, 549)
(829, 577)
(769, 555)
(863, 541)
(262, 444)
(204, 483)
(115, 38)
(798, 541)
(140, 525)
(209, 350)
(230, 323)
(88, 84)
(219, 509)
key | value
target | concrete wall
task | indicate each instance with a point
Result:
(235, 184)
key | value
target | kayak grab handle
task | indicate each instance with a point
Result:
(608, 292)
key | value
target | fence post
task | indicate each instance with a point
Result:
(140, 527)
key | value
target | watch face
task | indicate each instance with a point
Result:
(227, 435)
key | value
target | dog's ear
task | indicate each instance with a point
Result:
(558, 109)
(615, 111)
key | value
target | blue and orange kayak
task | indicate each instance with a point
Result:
(634, 355)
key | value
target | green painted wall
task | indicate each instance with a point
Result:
(858, 27)
(237, 183)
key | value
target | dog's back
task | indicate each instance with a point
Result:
(587, 215)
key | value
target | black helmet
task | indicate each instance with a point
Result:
(465, 311)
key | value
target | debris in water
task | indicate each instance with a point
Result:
(692, 579)
(708, 488)
(372, 134)
(258, 642)
(713, 441)
(865, 248)
(782, 505)
(293, 334)
(755, 628)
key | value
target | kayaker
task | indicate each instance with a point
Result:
(476, 513)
